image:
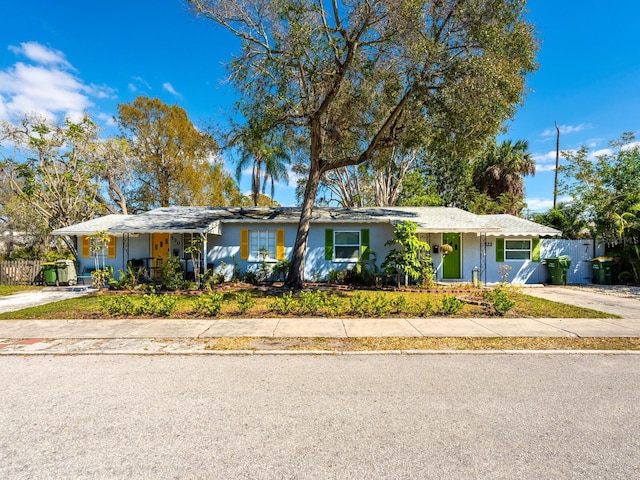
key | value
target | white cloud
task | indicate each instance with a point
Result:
(538, 204)
(552, 132)
(598, 153)
(47, 87)
(40, 54)
(545, 162)
(631, 146)
(169, 88)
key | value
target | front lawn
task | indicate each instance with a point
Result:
(255, 303)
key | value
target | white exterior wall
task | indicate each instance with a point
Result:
(223, 248)
(522, 271)
(528, 272)
(117, 263)
(580, 251)
(317, 267)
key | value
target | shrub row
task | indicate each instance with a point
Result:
(306, 303)
(359, 305)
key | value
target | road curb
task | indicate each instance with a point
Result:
(320, 353)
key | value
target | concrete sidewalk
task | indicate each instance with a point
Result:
(187, 337)
(321, 327)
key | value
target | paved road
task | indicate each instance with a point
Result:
(480, 416)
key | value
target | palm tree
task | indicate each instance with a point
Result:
(500, 170)
(269, 159)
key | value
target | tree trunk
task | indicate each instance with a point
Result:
(296, 270)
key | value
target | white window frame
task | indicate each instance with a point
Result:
(507, 250)
(336, 245)
(265, 238)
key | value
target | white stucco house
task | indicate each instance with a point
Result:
(337, 238)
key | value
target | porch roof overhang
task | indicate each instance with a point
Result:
(510, 226)
(106, 223)
(444, 219)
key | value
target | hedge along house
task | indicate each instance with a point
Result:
(238, 237)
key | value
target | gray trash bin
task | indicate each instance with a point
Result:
(67, 274)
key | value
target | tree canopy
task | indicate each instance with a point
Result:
(173, 163)
(346, 81)
(607, 187)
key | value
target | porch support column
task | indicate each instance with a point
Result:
(483, 256)
(125, 251)
(203, 258)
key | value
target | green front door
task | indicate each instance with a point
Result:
(451, 262)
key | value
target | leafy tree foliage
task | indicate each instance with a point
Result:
(566, 217)
(114, 159)
(49, 175)
(267, 154)
(489, 181)
(173, 162)
(607, 187)
(347, 80)
(411, 258)
(499, 173)
(377, 183)
(607, 190)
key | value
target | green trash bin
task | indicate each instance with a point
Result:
(558, 268)
(50, 273)
(602, 268)
(66, 272)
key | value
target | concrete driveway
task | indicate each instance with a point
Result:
(616, 299)
(11, 303)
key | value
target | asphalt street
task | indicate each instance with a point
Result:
(349, 417)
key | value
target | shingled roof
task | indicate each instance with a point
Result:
(209, 219)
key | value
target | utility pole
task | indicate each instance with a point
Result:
(555, 182)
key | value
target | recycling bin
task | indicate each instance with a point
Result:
(602, 268)
(50, 273)
(558, 268)
(66, 272)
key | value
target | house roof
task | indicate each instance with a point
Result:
(511, 226)
(90, 227)
(209, 219)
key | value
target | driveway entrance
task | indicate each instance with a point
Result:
(617, 299)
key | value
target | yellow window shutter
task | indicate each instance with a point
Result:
(280, 244)
(111, 247)
(85, 247)
(244, 244)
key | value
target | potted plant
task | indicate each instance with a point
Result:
(445, 249)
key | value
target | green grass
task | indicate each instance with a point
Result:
(528, 306)
(11, 289)
(89, 307)
(422, 343)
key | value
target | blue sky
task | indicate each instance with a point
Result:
(66, 57)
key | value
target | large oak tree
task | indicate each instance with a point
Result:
(346, 80)
(173, 162)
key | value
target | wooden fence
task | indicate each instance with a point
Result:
(19, 272)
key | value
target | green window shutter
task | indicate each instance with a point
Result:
(328, 244)
(535, 249)
(499, 249)
(364, 244)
